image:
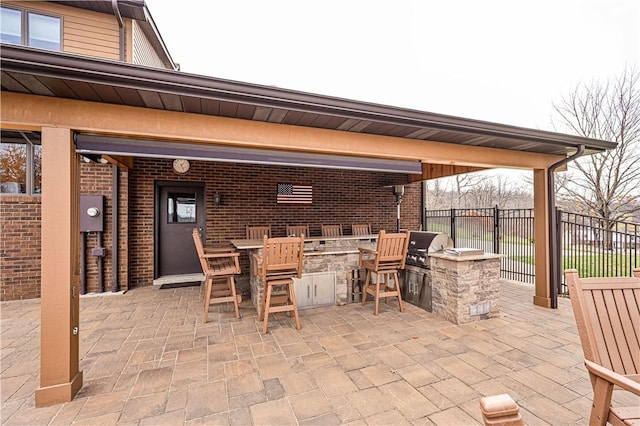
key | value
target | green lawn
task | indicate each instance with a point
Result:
(602, 265)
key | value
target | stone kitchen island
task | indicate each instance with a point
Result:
(328, 261)
(465, 288)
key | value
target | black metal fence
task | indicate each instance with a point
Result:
(597, 247)
(593, 246)
(493, 230)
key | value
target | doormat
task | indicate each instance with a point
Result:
(179, 285)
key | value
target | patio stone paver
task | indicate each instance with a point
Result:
(148, 359)
(276, 412)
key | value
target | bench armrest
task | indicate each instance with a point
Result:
(612, 377)
(257, 263)
(220, 254)
(364, 251)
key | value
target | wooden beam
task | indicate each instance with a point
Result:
(124, 121)
(434, 171)
(121, 161)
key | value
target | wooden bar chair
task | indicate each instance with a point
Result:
(332, 230)
(280, 263)
(297, 230)
(219, 268)
(257, 232)
(385, 261)
(360, 229)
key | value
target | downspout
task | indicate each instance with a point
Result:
(554, 246)
(114, 185)
(114, 229)
(423, 205)
(116, 12)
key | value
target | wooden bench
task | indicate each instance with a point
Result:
(607, 312)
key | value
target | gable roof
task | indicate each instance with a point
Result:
(57, 74)
(134, 9)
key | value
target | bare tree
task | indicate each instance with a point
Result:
(605, 185)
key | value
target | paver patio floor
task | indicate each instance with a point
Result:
(148, 359)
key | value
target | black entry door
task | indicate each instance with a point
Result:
(179, 209)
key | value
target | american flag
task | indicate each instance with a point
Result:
(294, 194)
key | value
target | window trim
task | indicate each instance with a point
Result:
(24, 25)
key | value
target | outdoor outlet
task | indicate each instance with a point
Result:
(480, 308)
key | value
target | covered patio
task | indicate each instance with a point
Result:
(149, 359)
(138, 119)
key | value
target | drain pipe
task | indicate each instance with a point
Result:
(554, 243)
(116, 12)
(423, 205)
(114, 229)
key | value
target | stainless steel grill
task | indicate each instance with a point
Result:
(423, 243)
(416, 279)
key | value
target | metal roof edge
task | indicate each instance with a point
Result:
(89, 69)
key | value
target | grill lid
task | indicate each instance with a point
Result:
(422, 241)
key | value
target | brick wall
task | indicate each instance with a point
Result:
(248, 198)
(248, 194)
(96, 179)
(19, 247)
(20, 243)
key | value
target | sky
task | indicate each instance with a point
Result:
(500, 61)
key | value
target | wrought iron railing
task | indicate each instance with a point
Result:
(593, 246)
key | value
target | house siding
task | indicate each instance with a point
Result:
(84, 32)
(143, 51)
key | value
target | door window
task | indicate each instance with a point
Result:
(181, 207)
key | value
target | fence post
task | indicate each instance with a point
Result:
(558, 262)
(496, 229)
(453, 226)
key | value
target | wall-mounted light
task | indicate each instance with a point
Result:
(216, 199)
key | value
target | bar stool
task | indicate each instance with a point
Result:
(257, 232)
(385, 261)
(360, 229)
(331, 230)
(219, 268)
(280, 263)
(297, 230)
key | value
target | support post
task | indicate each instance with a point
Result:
(60, 377)
(541, 222)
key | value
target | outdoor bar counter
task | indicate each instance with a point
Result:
(328, 261)
(465, 288)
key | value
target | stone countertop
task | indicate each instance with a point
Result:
(244, 244)
(464, 258)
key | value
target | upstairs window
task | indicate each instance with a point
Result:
(30, 28)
